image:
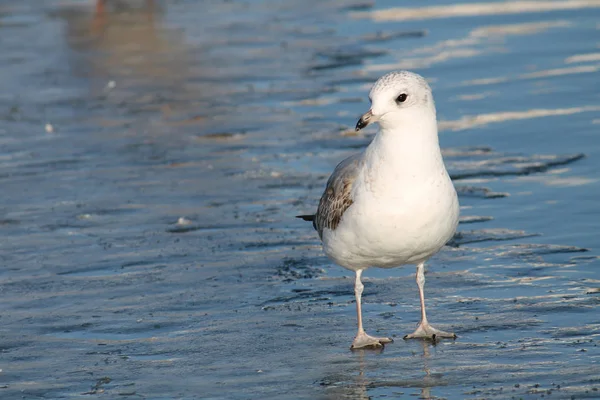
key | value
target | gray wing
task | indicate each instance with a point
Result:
(336, 199)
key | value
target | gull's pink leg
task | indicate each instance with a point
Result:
(362, 339)
(424, 330)
(100, 4)
(99, 16)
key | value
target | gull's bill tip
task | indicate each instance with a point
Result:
(364, 120)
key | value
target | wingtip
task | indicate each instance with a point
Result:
(306, 217)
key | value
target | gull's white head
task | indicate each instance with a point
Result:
(394, 95)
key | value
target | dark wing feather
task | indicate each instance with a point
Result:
(336, 199)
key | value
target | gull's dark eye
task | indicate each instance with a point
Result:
(401, 98)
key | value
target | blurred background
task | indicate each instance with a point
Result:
(153, 155)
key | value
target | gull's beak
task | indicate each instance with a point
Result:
(365, 120)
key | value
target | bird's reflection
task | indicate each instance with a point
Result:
(368, 372)
(104, 8)
(426, 389)
(125, 42)
(148, 80)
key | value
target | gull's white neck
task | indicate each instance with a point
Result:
(406, 149)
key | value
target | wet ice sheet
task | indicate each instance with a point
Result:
(231, 116)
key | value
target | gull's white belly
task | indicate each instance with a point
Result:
(395, 228)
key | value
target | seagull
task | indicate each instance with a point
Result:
(394, 203)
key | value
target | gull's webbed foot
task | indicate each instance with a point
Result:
(426, 331)
(362, 340)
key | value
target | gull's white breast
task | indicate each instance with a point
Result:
(405, 209)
